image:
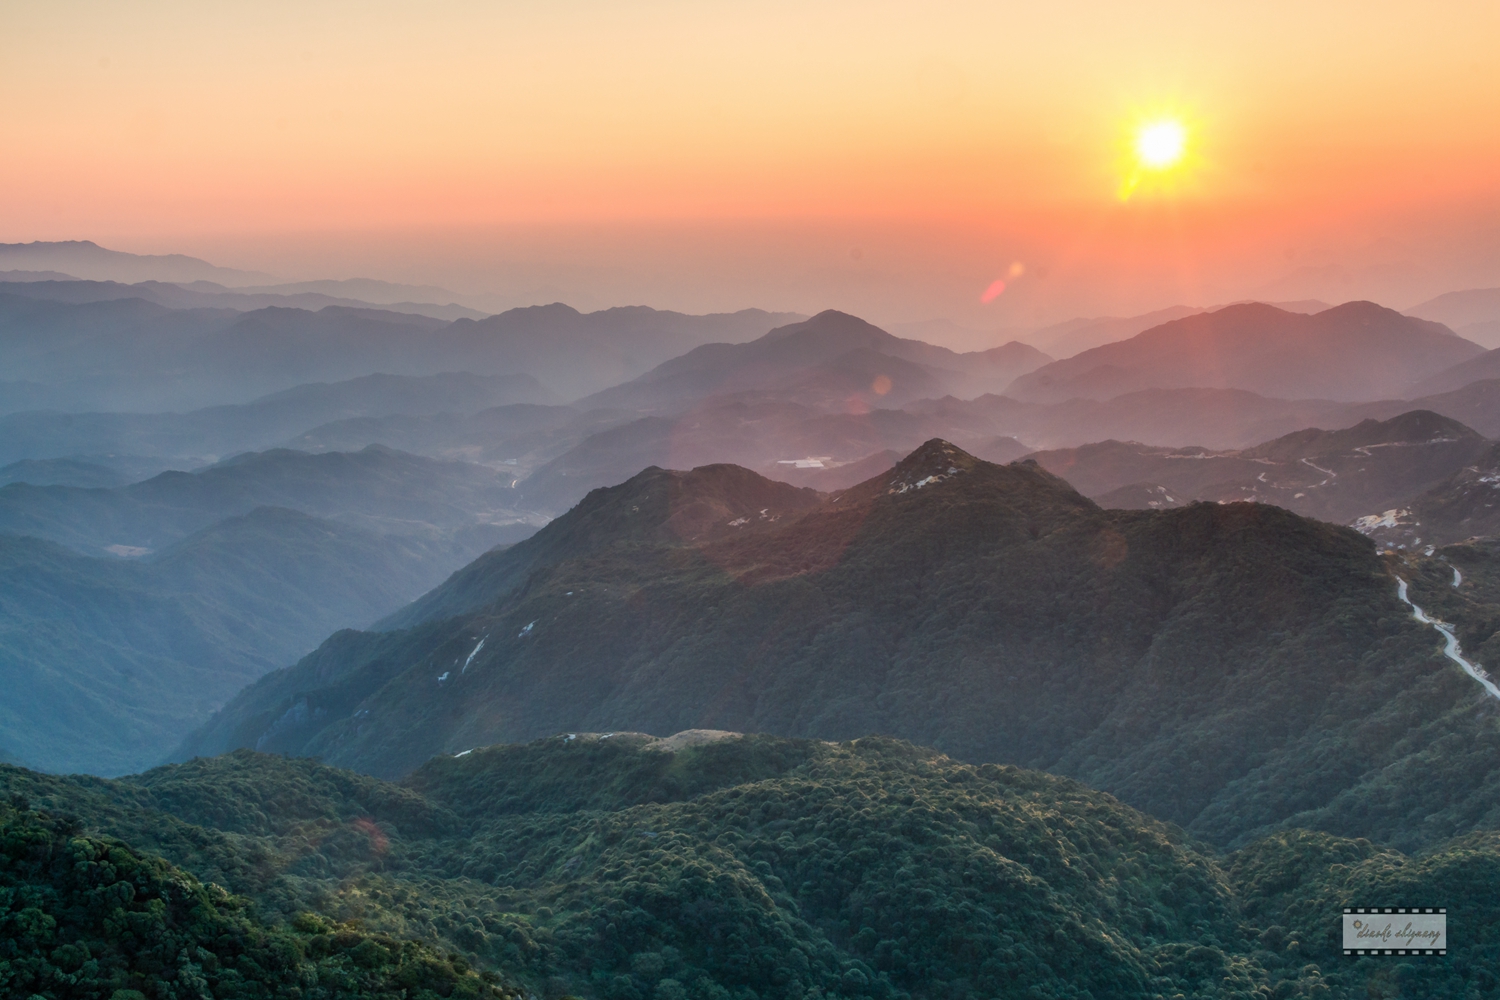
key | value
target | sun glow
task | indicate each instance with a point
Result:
(1160, 144)
(1158, 156)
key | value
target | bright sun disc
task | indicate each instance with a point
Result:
(1160, 144)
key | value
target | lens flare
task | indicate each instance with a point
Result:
(997, 287)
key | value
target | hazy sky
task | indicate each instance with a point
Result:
(890, 159)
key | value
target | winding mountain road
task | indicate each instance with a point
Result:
(1450, 647)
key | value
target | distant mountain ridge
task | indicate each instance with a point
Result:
(378, 489)
(1335, 476)
(1484, 367)
(1358, 351)
(209, 294)
(203, 436)
(805, 356)
(1472, 313)
(130, 354)
(86, 259)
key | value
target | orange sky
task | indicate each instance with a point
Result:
(887, 158)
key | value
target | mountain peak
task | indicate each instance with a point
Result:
(933, 462)
(829, 322)
(1355, 351)
(1414, 427)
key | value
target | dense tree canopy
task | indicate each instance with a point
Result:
(707, 867)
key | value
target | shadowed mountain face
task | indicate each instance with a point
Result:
(1356, 351)
(656, 508)
(1331, 475)
(1225, 666)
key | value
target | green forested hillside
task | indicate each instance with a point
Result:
(1227, 667)
(91, 917)
(715, 867)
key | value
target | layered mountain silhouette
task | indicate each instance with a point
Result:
(200, 436)
(771, 436)
(578, 353)
(378, 489)
(211, 295)
(1484, 367)
(753, 430)
(177, 591)
(1356, 351)
(61, 472)
(1473, 313)
(131, 354)
(1228, 667)
(829, 359)
(1335, 476)
(109, 660)
(87, 259)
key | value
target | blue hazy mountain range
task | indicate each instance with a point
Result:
(128, 613)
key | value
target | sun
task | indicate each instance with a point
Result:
(1160, 144)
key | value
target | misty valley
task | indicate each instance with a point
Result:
(357, 642)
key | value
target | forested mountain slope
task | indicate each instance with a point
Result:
(708, 866)
(94, 917)
(1227, 667)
